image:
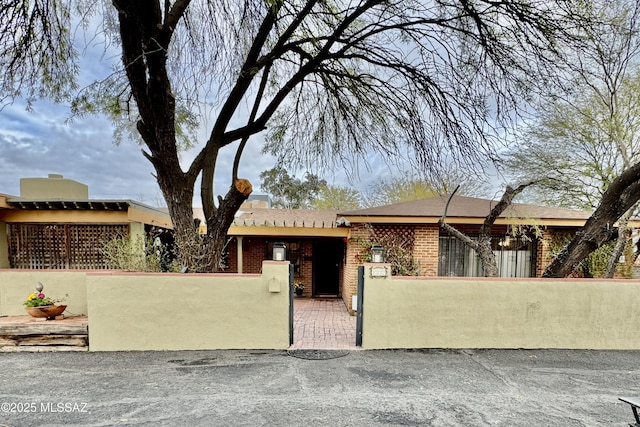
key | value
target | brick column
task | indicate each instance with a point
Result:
(357, 234)
(426, 247)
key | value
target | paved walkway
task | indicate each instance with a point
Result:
(322, 324)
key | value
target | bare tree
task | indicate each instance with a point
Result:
(327, 79)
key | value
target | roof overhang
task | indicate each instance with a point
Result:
(84, 210)
(287, 231)
(549, 222)
(3, 202)
(100, 205)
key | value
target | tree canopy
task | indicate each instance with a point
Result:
(289, 192)
(328, 80)
(335, 197)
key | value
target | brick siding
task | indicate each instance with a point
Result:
(426, 248)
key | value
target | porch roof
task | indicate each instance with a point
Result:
(287, 222)
(466, 210)
(134, 211)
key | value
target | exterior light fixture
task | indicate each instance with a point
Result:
(279, 251)
(377, 254)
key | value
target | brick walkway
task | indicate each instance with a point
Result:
(322, 324)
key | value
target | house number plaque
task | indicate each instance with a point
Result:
(378, 272)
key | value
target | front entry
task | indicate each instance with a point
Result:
(327, 259)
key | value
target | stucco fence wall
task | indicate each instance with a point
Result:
(420, 312)
(129, 311)
(68, 286)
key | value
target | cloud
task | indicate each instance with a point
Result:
(36, 144)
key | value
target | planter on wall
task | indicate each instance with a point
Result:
(46, 310)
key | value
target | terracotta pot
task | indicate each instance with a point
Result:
(46, 310)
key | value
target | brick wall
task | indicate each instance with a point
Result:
(255, 252)
(543, 258)
(305, 275)
(425, 249)
(354, 250)
(232, 259)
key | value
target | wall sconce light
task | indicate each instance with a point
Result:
(279, 251)
(377, 253)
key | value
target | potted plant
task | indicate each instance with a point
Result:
(298, 288)
(40, 305)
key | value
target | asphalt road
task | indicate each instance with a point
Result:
(358, 388)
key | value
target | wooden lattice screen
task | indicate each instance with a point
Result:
(60, 246)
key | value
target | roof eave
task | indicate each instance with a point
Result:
(549, 222)
(236, 230)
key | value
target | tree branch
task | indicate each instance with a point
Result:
(620, 196)
(505, 201)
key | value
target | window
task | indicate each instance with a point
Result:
(515, 257)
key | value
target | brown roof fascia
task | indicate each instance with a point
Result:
(548, 222)
(465, 210)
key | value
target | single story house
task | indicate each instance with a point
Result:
(326, 247)
(53, 224)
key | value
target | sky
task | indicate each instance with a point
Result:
(42, 142)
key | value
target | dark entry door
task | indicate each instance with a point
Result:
(327, 259)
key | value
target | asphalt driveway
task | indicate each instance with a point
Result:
(357, 388)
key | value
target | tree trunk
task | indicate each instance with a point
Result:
(487, 257)
(179, 197)
(146, 34)
(220, 220)
(622, 194)
(202, 254)
(621, 242)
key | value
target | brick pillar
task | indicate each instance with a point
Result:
(354, 248)
(306, 267)
(426, 247)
